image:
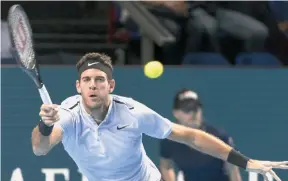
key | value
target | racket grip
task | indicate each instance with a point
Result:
(44, 95)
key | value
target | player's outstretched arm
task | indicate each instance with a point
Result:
(45, 136)
(201, 141)
(215, 147)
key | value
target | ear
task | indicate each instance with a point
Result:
(78, 86)
(111, 85)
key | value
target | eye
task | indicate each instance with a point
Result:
(86, 79)
(100, 79)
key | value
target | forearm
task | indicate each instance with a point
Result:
(44, 138)
(208, 144)
(41, 144)
(46, 135)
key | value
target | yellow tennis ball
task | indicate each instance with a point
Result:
(153, 69)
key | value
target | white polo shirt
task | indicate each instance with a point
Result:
(113, 150)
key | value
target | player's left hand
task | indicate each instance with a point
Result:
(273, 164)
(263, 167)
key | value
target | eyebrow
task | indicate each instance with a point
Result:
(100, 76)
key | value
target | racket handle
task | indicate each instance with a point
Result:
(44, 95)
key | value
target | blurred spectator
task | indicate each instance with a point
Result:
(173, 15)
(284, 27)
(279, 9)
(219, 18)
(228, 28)
(187, 110)
(179, 7)
(277, 42)
(256, 16)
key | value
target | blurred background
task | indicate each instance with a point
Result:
(234, 54)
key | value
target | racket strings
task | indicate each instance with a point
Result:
(21, 37)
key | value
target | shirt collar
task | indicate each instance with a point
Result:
(90, 117)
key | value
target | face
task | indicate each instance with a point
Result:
(191, 119)
(94, 88)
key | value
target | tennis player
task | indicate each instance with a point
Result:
(102, 132)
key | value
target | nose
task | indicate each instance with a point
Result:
(92, 85)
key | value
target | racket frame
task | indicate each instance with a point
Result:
(34, 72)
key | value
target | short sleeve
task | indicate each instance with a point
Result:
(165, 149)
(66, 123)
(152, 123)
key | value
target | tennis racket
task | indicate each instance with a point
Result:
(22, 48)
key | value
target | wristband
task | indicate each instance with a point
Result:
(44, 129)
(236, 158)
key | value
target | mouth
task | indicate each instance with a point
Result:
(92, 96)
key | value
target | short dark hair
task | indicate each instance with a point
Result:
(101, 57)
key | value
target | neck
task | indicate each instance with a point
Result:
(99, 114)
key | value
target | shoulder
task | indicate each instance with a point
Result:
(68, 115)
(129, 102)
(71, 103)
(70, 107)
(125, 101)
(137, 109)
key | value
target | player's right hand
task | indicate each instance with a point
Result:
(49, 114)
